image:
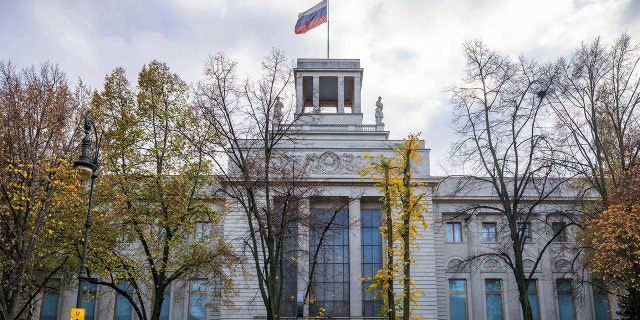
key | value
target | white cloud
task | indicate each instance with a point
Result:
(411, 50)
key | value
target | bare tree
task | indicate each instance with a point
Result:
(502, 120)
(596, 105)
(264, 178)
(260, 179)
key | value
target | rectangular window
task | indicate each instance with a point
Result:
(203, 230)
(532, 292)
(198, 299)
(166, 303)
(559, 229)
(330, 287)
(371, 242)
(290, 272)
(50, 301)
(454, 232)
(566, 309)
(524, 231)
(489, 233)
(601, 301)
(458, 299)
(493, 293)
(88, 303)
(123, 306)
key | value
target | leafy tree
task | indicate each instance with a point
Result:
(40, 196)
(505, 147)
(404, 210)
(156, 223)
(615, 243)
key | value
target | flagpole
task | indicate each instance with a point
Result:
(327, 29)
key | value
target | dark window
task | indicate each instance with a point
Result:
(559, 229)
(532, 292)
(371, 241)
(601, 301)
(88, 302)
(330, 287)
(50, 301)
(123, 306)
(566, 310)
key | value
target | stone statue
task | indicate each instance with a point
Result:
(379, 114)
(277, 110)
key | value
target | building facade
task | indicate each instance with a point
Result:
(331, 139)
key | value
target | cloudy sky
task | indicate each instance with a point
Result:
(411, 50)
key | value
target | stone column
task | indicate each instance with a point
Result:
(356, 94)
(299, 94)
(340, 94)
(355, 258)
(316, 94)
(303, 252)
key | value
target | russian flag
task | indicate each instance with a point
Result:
(312, 18)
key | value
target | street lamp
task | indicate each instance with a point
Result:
(88, 170)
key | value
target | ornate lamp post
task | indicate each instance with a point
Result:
(88, 170)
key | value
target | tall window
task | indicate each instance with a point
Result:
(454, 232)
(290, 272)
(493, 292)
(566, 309)
(203, 230)
(50, 301)
(601, 301)
(458, 299)
(371, 242)
(198, 299)
(532, 292)
(330, 287)
(166, 303)
(88, 302)
(524, 231)
(489, 233)
(559, 229)
(123, 306)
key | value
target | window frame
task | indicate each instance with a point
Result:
(534, 292)
(52, 289)
(128, 289)
(370, 264)
(569, 292)
(489, 232)
(487, 293)
(331, 291)
(526, 238)
(597, 288)
(562, 235)
(203, 231)
(454, 239)
(192, 292)
(92, 294)
(466, 298)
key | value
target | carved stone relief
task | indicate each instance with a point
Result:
(492, 265)
(331, 163)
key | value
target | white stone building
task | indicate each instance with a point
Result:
(331, 136)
